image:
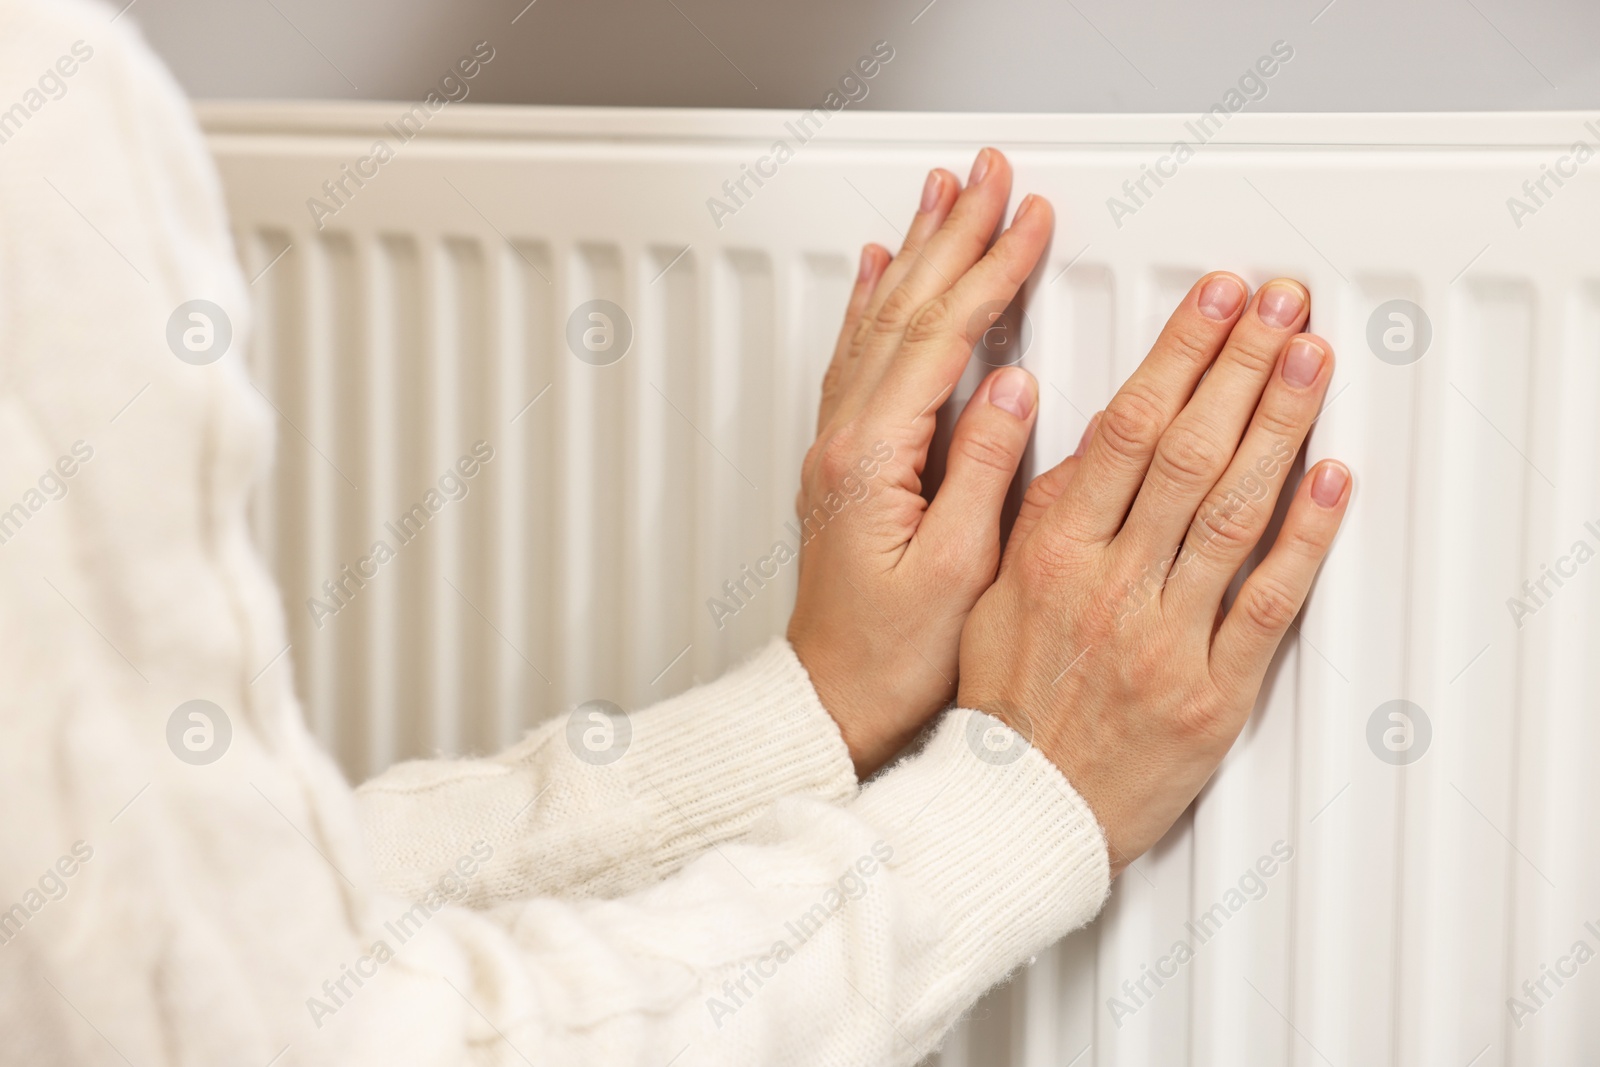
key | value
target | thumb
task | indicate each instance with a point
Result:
(986, 448)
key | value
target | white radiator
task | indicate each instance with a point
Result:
(1423, 894)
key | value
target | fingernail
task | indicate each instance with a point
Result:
(980, 167)
(930, 191)
(1327, 486)
(1302, 363)
(1088, 434)
(1281, 304)
(1023, 208)
(1012, 390)
(866, 264)
(1221, 297)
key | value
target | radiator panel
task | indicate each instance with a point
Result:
(432, 312)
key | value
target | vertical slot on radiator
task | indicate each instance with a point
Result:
(990, 1026)
(470, 647)
(317, 460)
(339, 418)
(528, 484)
(381, 484)
(1557, 1019)
(668, 596)
(1356, 638)
(1072, 356)
(824, 284)
(732, 418)
(516, 419)
(435, 549)
(405, 593)
(595, 432)
(1459, 797)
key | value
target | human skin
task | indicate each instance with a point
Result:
(1108, 641)
(885, 585)
(889, 579)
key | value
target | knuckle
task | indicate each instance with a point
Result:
(1148, 658)
(863, 330)
(1226, 526)
(988, 451)
(895, 311)
(1131, 424)
(1268, 606)
(931, 322)
(835, 461)
(1012, 263)
(1189, 455)
(1255, 354)
(1308, 540)
(1048, 560)
(1043, 490)
(1203, 719)
(1281, 422)
(964, 228)
(1190, 346)
(1139, 587)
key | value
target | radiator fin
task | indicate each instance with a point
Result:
(627, 499)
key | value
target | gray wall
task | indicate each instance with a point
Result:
(962, 55)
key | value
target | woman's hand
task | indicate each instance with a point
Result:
(1105, 641)
(887, 579)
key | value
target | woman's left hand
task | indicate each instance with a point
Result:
(886, 578)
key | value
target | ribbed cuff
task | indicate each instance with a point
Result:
(1007, 852)
(713, 760)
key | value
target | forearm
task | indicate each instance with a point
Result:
(850, 934)
(697, 771)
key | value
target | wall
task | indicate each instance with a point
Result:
(955, 55)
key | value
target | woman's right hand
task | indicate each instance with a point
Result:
(1105, 640)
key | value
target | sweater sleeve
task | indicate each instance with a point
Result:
(596, 805)
(849, 934)
(172, 904)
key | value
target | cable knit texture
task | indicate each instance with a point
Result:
(722, 894)
(697, 771)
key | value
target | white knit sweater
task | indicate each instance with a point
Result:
(724, 894)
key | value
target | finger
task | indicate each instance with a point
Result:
(1200, 444)
(938, 341)
(1118, 456)
(939, 194)
(1271, 597)
(1225, 529)
(950, 253)
(874, 259)
(1041, 493)
(986, 448)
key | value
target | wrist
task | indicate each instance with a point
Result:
(867, 731)
(1045, 735)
